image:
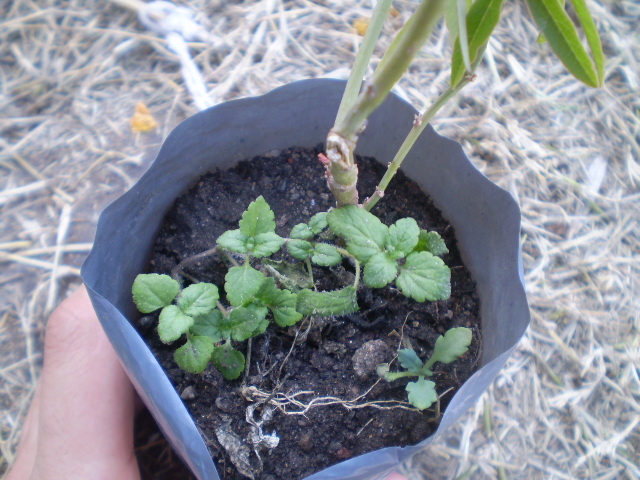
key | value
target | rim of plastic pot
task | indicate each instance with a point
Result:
(485, 217)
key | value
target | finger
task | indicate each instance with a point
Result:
(87, 402)
(26, 454)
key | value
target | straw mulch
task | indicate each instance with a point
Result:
(566, 406)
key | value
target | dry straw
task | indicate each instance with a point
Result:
(566, 406)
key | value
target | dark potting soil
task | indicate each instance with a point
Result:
(334, 358)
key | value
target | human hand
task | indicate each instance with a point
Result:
(80, 424)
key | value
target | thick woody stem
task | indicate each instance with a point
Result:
(341, 169)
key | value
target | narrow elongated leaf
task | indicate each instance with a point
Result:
(337, 302)
(461, 7)
(482, 19)
(450, 346)
(194, 355)
(198, 299)
(173, 323)
(153, 291)
(591, 32)
(564, 40)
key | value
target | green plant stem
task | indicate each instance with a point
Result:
(395, 62)
(342, 172)
(224, 311)
(419, 125)
(310, 270)
(363, 58)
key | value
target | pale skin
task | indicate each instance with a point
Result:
(80, 424)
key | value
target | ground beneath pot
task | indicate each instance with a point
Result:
(317, 364)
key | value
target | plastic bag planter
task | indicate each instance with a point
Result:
(486, 220)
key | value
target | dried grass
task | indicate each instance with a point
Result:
(567, 405)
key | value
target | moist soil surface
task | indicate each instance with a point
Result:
(330, 358)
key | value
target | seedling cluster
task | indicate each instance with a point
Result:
(401, 253)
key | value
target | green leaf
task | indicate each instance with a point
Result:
(337, 302)
(422, 394)
(301, 231)
(482, 19)
(410, 360)
(451, 346)
(318, 222)
(258, 218)
(153, 291)
(564, 40)
(242, 283)
(364, 233)
(198, 299)
(424, 277)
(591, 32)
(233, 240)
(461, 7)
(266, 244)
(282, 303)
(431, 242)
(292, 276)
(326, 255)
(194, 355)
(403, 237)
(245, 322)
(208, 325)
(229, 361)
(299, 249)
(380, 271)
(173, 323)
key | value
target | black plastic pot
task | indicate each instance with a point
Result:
(486, 220)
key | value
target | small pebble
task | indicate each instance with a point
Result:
(189, 393)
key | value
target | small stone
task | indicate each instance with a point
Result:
(368, 356)
(225, 403)
(189, 393)
(306, 443)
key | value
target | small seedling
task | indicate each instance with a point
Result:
(422, 393)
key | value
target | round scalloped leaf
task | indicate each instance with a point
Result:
(422, 394)
(424, 277)
(229, 361)
(153, 291)
(380, 271)
(173, 323)
(326, 255)
(194, 355)
(198, 299)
